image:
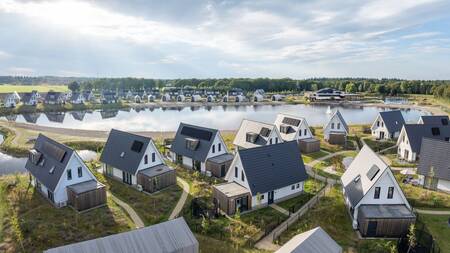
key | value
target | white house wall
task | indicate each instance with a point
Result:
(274, 135)
(405, 145)
(328, 128)
(230, 177)
(301, 131)
(279, 194)
(151, 148)
(443, 185)
(217, 139)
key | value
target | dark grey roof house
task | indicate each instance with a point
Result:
(172, 236)
(434, 164)
(315, 240)
(30, 98)
(195, 146)
(388, 124)
(274, 172)
(53, 97)
(109, 97)
(135, 160)
(60, 174)
(434, 120)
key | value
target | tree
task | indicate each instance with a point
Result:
(350, 88)
(74, 86)
(412, 242)
(205, 225)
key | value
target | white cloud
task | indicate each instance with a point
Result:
(20, 71)
(420, 35)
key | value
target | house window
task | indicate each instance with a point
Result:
(390, 192)
(377, 193)
(378, 123)
(80, 172)
(69, 174)
(304, 131)
(270, 141)
(153, 157)
(339, 126)
(219, 147)
(276, 140)
(300, 133)
(214, 148)
(403, 138)
(242, 176)
(262, 196)
(235, 172)
(332, 125)
(298, 186)
(293, 187)
(146, 159)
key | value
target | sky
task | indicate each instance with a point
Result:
(407, 39)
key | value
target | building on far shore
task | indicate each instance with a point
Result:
(173, 236)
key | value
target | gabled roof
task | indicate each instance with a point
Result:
(435, 119)
(272, 167)
(338, 114)
(53, 96)
(393, 120)
(362, 174)
(124, 150)
(167, 237)
(255, 127)
(292, 121)
(315, 240)
(416, 132)
(53, 162)
(26, 97)
(204, 136)
(436, 154)
(76, 96)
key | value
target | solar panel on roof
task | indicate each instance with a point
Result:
(54, 151)
(196, 133)
(137, 146)
(291, 121)
(264, 132)
(373, 171)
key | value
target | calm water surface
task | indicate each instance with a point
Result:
(221, 117)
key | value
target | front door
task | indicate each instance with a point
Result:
(196, 165)
(126, 177)
(381, 135)
(222, 170)
(372, 229)
(406, 156)
(270, 197)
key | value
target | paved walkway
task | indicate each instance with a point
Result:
(133, 215)
(280, 209)
(435, 212)
(176, 211)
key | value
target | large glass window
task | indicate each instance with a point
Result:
(390, 192)
(377, 193)
(69, 174)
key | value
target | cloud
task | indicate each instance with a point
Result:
(20, 71)
(420, 35)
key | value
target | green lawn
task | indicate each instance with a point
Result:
(438, 227)
(419, 197)
(6, 88)
(30, 222)
(208, 244)
(312, 186)
(331, 214)
(379, 145)
(307, 158)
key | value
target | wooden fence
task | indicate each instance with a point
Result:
(295, 216)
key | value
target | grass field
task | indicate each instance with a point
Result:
(311, 187)
(29, 223)
(7, 88)
(437, 226)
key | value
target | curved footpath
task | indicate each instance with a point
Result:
(133, 215)
(176, 211)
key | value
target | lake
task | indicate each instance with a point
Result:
(227, 117)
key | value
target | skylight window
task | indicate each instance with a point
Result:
(52, 170)
(373, 171)
(357, 178)
(122, 154)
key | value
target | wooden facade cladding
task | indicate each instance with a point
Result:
(385, 227)
(158, 182)
(228, 204)
(218, 169)
(87, 200)
(337, 138)
(309, 146)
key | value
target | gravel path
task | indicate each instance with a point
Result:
(133, 215)
(176, 211)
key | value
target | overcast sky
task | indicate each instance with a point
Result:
(256, 38)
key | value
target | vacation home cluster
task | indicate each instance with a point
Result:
(265, 167)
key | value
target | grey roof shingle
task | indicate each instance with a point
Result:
(313, 241)
(204, 135)
(272, 167)
(172, 236)
(393, 120)
(435, 119)
(436, 154)
(251, 126)
(354, 192)
(121, 142)
(416, 132)
(42, 173)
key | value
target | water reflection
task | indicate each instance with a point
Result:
(226, 117)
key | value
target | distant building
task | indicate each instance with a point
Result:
(165, 97)
(77, 98)
(387, 125)
(11, 100)
(108, 97)
(88, 96)
(54, 98)
(296, 128)
(315, 240)
(327, 94)
(375, 201)
(196, 98)
(173, 236)
(336, 130)
(434, 164)
(30, 98)
(434, 120)
(253, 134)
(277, 97)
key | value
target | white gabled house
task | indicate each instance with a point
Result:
(434, 120)
(200, 148)
(30, 98)
(60, 175)
(336, 130)
(376, 203)
(387, 125)
(296, 128)
(135, 160)
(254, 134)
(261, 176)
(434, 165)
(11, 100)
(77, 98)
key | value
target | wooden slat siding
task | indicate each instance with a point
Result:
(228, 204)
(337, 138)
(215, 167)
(87, 200)
(389, 227)
(309, 147)
(164, 180)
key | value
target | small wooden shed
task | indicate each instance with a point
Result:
(309, 145)
(337, 138)
(86, 195)
(230, 196)
(156, 178)
(219, 165)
